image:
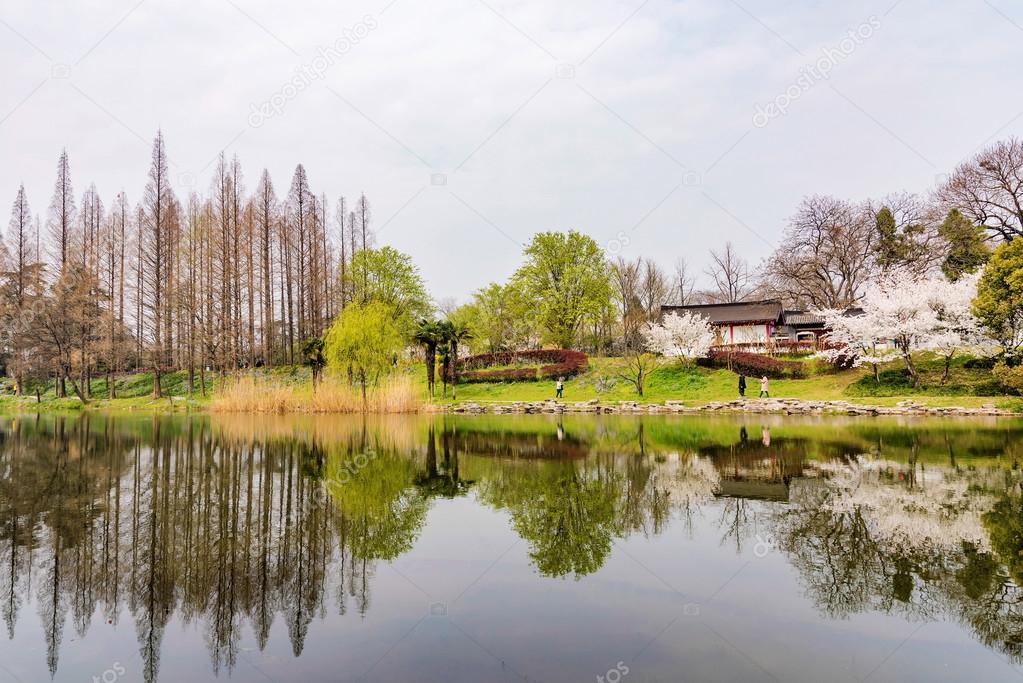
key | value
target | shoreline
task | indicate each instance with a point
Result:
(770, 406)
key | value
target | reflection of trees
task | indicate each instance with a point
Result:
(378, 512)
(162, 516)
(906, 539)
(570, 510)
(564, 510)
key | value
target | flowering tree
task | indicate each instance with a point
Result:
(855, 340)
(902, 314)
(957, 328)
(687, 336)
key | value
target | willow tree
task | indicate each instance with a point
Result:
(364, 340)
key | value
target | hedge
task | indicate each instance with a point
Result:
(553, 363)
(756, 365)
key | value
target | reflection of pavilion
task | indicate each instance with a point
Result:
(518, 445)
(752, 470)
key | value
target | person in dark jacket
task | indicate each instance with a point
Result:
(742, 385)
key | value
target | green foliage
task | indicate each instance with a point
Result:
(967, 248)
(893, 247)
(382, 513)
(999, 302)
(388, 276)
(1004, 524)
(429, 335)
(567, 515)
(365, 340)
(566, 281)
(500, 318)
(312, 354)
(1009, 377)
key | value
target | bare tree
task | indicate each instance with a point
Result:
(683, 285)
(654, 289)
(159, 212)
(625, 277)
(826, 255)
(62, 210)
(730, 274)
(989, 189)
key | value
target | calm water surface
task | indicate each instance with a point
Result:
(510, 549)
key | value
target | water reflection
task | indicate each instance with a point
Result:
(232, 524)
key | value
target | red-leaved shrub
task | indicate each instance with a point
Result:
(553, 363)
(755, 364)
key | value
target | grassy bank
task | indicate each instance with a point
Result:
(288, 389)
(968, 385)
(134, 393)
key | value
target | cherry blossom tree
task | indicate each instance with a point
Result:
(854, 340)
(687, 336)
(957, 328)
(904, 313)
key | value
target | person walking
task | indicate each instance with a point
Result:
(742, 385)
(559, 388)
(764, 387)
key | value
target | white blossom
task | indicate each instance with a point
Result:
(904, 313)
(685, 336)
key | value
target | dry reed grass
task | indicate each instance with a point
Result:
(252, 394)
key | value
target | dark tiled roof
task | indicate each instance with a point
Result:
(742, 312)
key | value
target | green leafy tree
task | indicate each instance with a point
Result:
(388, 276)
(566, 280)
(366, 340)
(566, 512)
(999, 302)
(452, 335)
(500, 318)
(890, 247)
(967, 247)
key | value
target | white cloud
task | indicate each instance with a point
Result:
(677, 83)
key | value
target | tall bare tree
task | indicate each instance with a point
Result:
(159, 213)
(827, 254)
(730, 275)
(62, 211)
(989, 189)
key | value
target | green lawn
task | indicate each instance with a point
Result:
(969, 384)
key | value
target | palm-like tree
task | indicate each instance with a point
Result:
(456, 334)
(428, 335)
(444, 330)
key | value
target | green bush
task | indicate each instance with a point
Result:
(1009, 378)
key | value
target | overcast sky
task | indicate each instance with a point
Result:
(472, 124)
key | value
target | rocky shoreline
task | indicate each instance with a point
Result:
(774, 406)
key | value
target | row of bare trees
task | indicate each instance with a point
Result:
(220, 281)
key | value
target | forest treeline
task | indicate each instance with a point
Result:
(241, 278)
(217, 281)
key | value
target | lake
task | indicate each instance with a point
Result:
(518, 548)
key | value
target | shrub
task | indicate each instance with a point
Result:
(755, 364)
(553, 363)
(1009, 378)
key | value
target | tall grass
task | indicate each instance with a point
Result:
(252, 394)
